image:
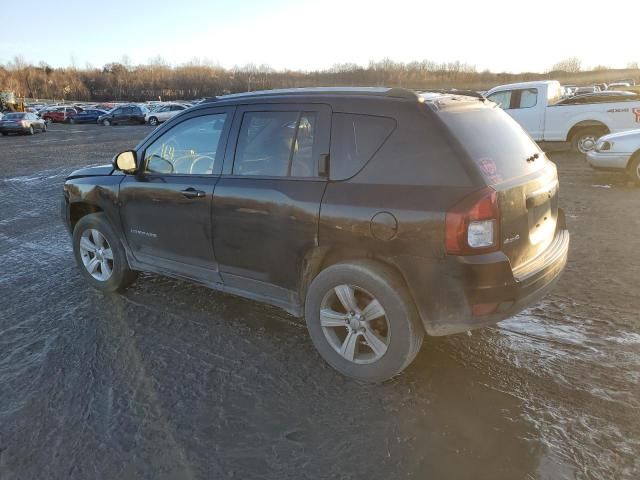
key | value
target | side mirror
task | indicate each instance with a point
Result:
(125, 161)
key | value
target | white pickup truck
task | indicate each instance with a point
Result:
(540, 109)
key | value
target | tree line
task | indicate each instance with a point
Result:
(158, 80)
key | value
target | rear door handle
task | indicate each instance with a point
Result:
(192, 193)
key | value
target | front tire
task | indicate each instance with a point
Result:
(100, 255)
(106, 122)
(633, 169)
(153, 121)
(363, 321)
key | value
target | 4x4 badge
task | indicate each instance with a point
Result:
(507, 241)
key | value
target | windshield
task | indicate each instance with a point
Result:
(494, 141)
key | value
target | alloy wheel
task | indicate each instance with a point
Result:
(96, 254)
(355, 324)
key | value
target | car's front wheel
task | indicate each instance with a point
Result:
(100, 255)
(106, 122)
(633, 169)
(363, 321)
(153, 121)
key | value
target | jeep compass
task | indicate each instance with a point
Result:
(376, 214)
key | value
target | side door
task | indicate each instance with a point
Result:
(128, 115)
(165, 209)
(267, 203)
(116, 115)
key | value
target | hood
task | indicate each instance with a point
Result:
(98, 171)
(626, 135)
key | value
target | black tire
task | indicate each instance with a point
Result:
(153, 121)
(5, 134)
(106, 122)
(121, 275)
(633, 168)
(584, 137)
(406, 331)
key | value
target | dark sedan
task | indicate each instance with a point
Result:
(87, 116)
(19, 122)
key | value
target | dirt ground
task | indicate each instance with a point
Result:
(171, 380)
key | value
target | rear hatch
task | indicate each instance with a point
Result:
(510, 162)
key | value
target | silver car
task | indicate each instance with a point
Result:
(618, 151)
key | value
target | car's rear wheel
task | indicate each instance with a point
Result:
(5, 134)
(584, 140)
(153, 121)
(106, 122)
(100, 255)
(363, 321)
(633, 169)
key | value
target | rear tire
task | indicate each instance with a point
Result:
(100, 256)
(402, 332)
(584, 140)
(5, 134)
(106, 122)
(153, 121)
(633, 169)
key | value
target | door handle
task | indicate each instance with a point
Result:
(192, 193)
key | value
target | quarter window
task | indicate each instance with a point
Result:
(276, 144)
(355, 139)
(191, 147)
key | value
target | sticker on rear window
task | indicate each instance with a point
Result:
(489, 169)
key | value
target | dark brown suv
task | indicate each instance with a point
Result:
(377, 214)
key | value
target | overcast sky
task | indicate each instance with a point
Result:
(510, 36)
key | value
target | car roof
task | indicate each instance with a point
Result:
(384, 92)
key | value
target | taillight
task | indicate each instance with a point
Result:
(472, 224)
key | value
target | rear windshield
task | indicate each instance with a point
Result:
(494, 141)
(14, 116)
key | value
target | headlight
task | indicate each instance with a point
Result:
(603, 146)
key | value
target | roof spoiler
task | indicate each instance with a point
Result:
(455, 91)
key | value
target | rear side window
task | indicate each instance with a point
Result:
(264, 143)
(277, 144)
(354, 140)
(494, 141)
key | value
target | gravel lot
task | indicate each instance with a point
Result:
(175, 381)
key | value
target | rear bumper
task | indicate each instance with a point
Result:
(448, 295)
